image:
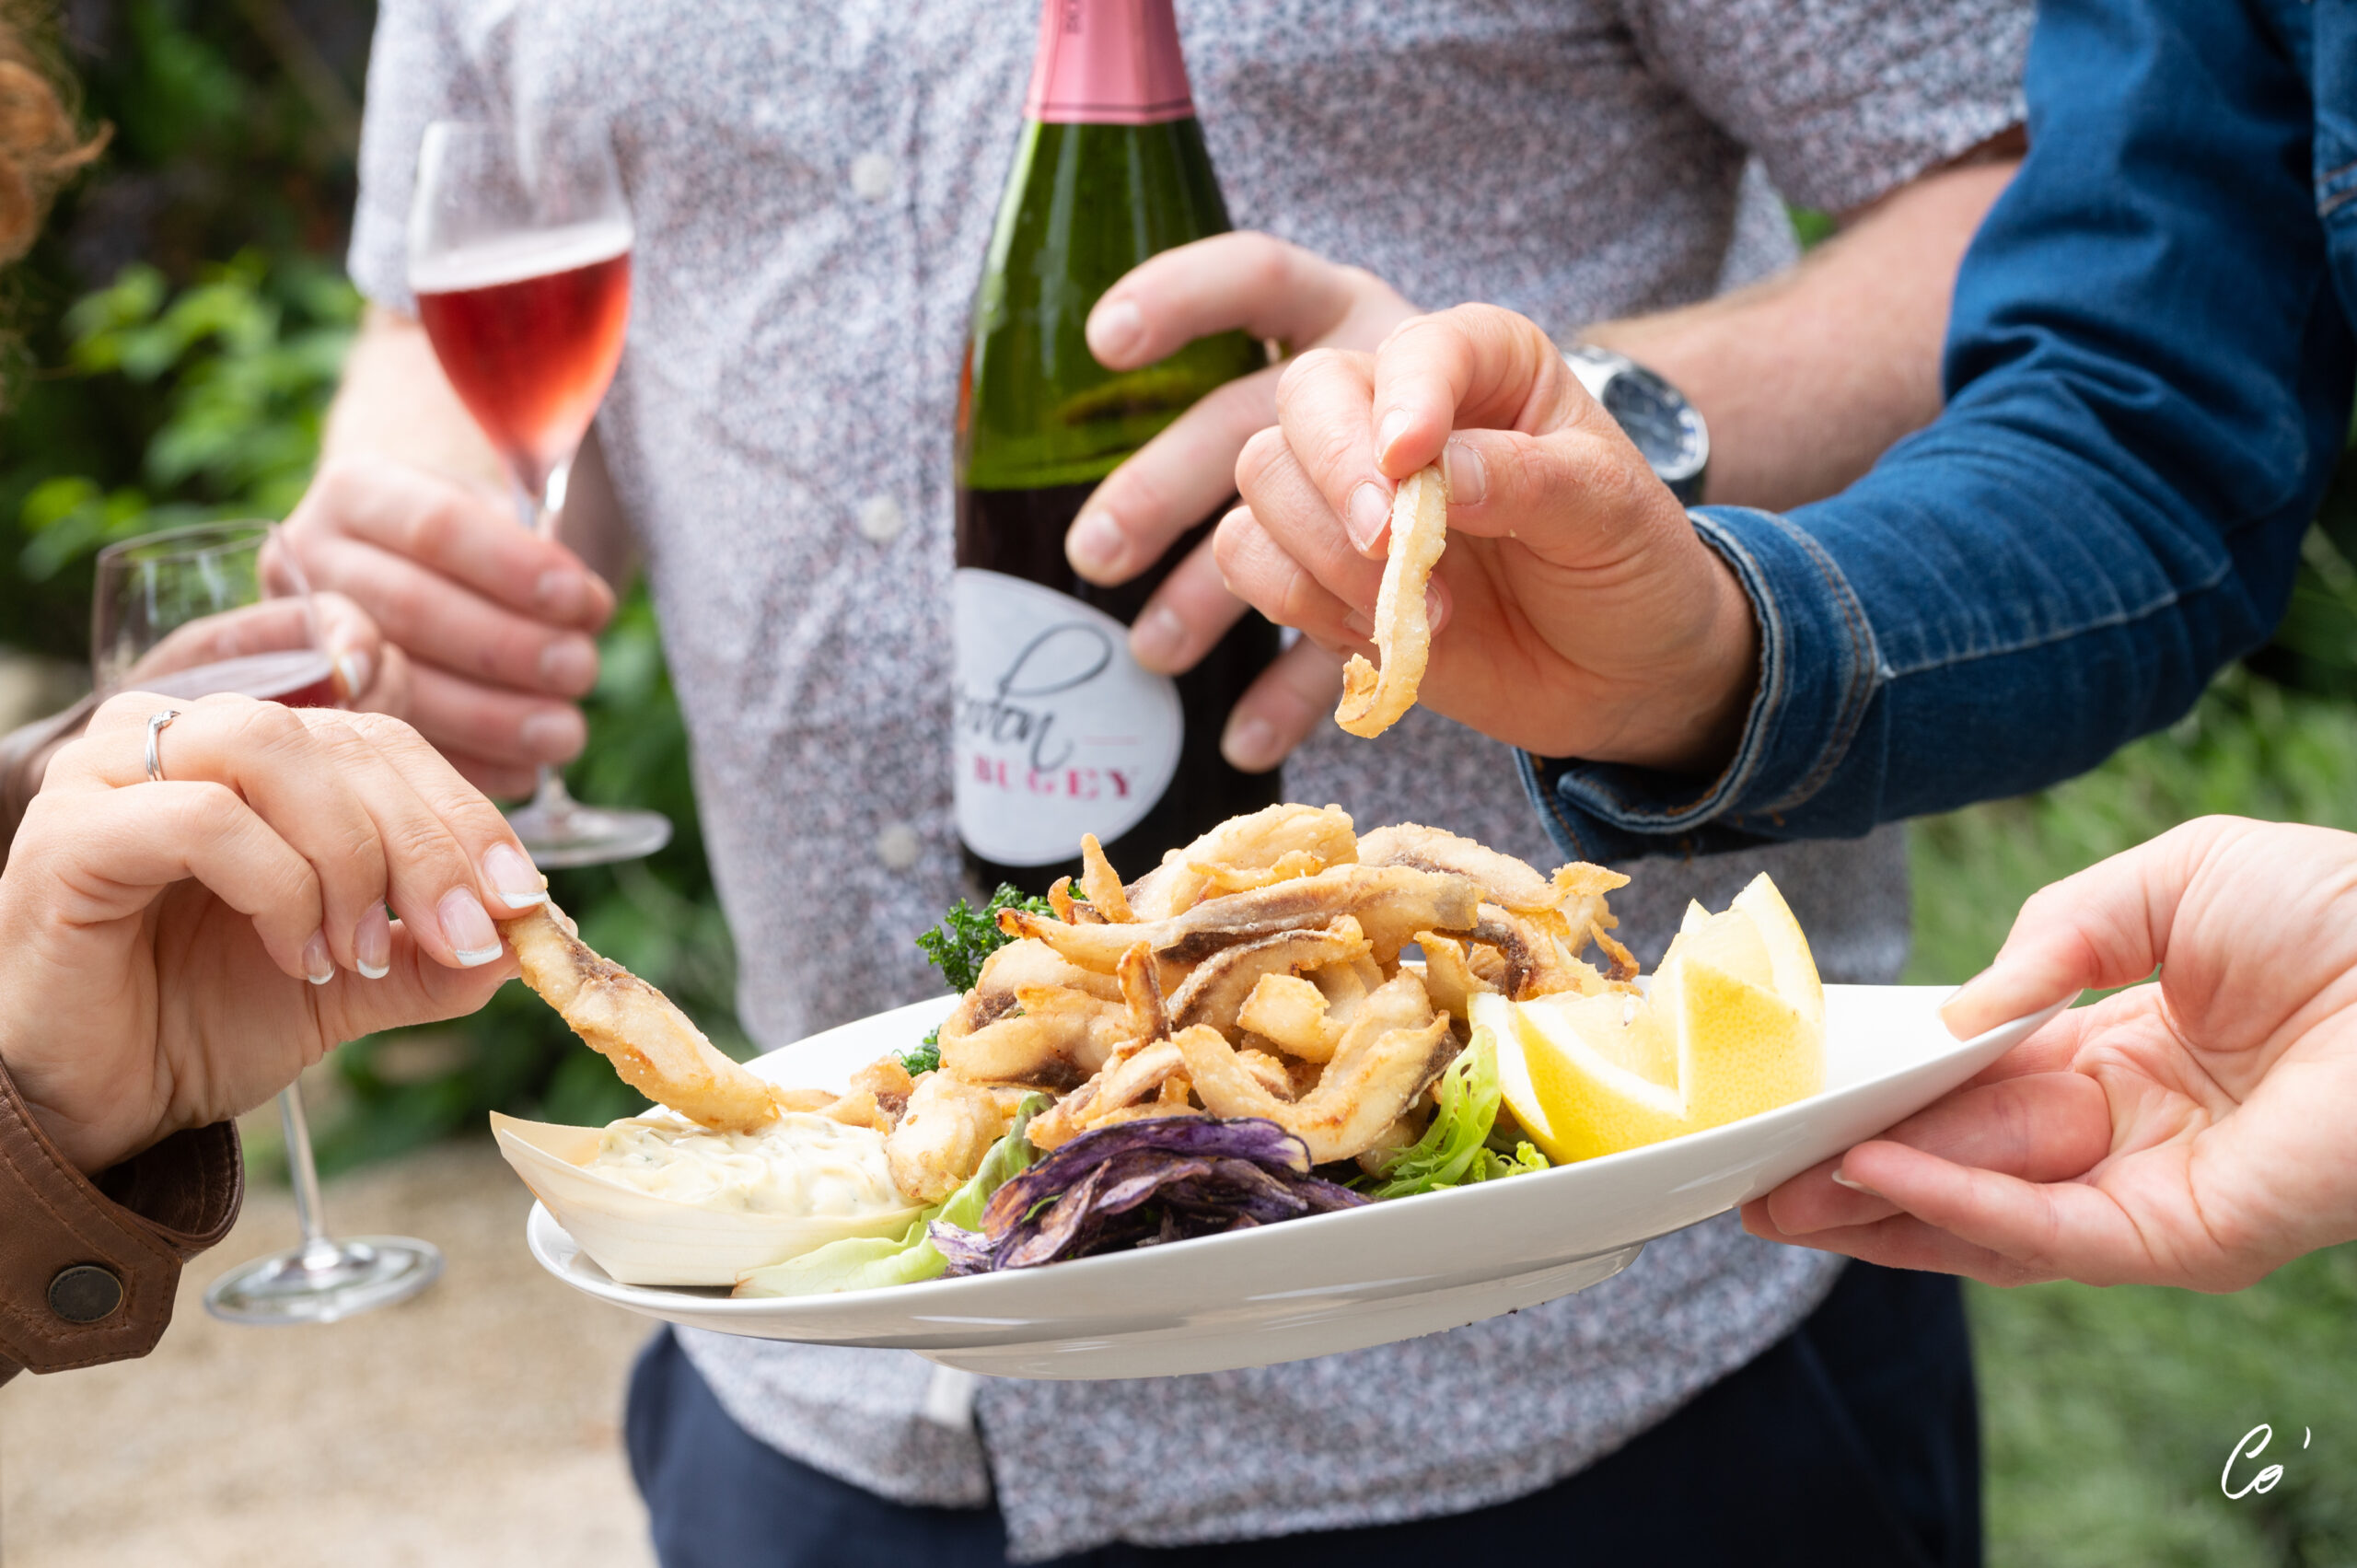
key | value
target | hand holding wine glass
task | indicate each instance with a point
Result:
(265, 650)
(520, 256)
(493, 625)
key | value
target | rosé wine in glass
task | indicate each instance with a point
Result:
(528, 329)
(300, 678)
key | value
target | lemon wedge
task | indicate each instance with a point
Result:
(1734, 1024)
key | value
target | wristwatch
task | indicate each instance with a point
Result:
(1656, 415)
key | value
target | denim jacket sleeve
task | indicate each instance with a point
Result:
(2149, 372)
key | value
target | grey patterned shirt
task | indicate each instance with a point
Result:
(813, 186)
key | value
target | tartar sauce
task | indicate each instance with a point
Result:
(799, 1163)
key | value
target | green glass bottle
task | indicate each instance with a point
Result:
(1059, 732)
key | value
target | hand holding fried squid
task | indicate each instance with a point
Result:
(174, 952)
(1579, 613)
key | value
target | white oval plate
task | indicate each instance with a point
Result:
(1343, 1281)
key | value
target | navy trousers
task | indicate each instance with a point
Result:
(1854, 1442)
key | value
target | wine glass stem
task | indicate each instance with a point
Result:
(540, 513)
(305, 1171)
(551, 796)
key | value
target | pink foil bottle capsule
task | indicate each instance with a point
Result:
(1109, 63)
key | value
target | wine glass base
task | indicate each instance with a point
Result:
(325, 1280)
(587, 835)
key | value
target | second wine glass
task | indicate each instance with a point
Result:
(519, 247)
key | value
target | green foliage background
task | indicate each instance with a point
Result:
(179, 331)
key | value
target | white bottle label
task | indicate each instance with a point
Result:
(1059, 731)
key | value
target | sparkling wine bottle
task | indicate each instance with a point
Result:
(1059, 731)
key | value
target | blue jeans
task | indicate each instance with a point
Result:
(1855, 1441)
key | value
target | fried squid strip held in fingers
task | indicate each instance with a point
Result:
(1403, 635)
(651, 1043)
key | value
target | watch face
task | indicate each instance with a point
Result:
(1662, 423)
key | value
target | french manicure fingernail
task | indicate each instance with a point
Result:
(466, 925)
(552, 735)
(569, 665)
(372, 943)
(354, 668)
(518, 880)
(317, 965)
(1158, 638)
(1115, 328)
(1095, 545)
(1854, 1185)
(1435, 607)
(1249, 745)
(1370, 511)
(1467, 482)
(1394, 425)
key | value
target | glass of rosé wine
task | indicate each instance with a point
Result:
(214, 608)
(519, 257)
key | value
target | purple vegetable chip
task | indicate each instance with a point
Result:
(1143, 1183)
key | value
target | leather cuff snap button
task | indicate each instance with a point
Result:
(85, 1293)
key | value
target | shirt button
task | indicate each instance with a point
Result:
(871, 176)
(881, 519)
(85, 1293)
(898, 846)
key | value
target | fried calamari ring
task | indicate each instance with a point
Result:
(1372, 702)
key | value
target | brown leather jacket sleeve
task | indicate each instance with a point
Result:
(88, 1268)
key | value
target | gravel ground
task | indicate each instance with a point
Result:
(476, 1424)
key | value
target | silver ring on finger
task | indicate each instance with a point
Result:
(155, 722)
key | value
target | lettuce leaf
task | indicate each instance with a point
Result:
(874, 1262)
(1456, 1148)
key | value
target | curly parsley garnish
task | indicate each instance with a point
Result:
(967, 936)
